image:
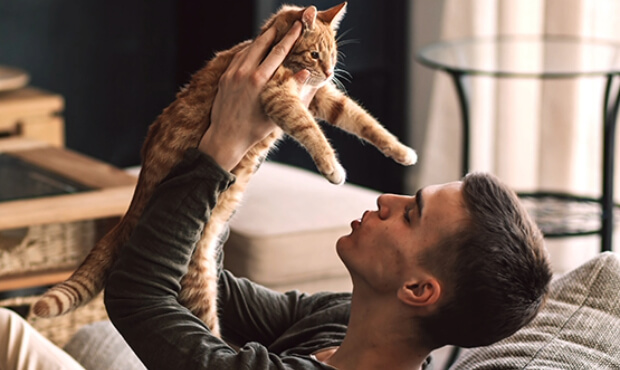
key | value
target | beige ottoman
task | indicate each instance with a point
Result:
(284, 234)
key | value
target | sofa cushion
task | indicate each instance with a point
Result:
(579, 327)
(285, 231)
(99, 346)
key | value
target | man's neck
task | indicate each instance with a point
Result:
(378, 338)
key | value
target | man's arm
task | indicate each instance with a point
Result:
(142, 289)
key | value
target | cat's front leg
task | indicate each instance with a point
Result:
(283, 105)
(334, 107)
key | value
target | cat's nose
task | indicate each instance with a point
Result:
(329, 73)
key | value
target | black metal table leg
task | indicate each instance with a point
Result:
(610, 114)
(462, 95)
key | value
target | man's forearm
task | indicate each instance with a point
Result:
(142, 289)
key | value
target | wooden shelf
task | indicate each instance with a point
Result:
(111, 194)
(33, 279)
(65, 208)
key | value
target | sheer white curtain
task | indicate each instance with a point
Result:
(534, 134)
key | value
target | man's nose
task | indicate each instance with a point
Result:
(386, 204)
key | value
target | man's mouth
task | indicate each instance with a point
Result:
(357, 223)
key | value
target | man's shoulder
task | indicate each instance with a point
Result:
(331, 301)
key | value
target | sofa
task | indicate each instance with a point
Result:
(578, 328)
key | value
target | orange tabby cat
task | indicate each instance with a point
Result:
(181, 126)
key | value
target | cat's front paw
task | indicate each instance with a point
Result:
(337, 176)
(403, 155)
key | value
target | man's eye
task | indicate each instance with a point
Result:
(314, 54)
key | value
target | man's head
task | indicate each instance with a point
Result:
(382, 251)
(464, 257)
(497, 273)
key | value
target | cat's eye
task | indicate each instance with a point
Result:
(314, 54)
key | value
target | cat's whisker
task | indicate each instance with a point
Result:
(340, 79)
(339, 84)
(347, 42)
(343, 71)
(341, 56)
(344, 75)
(342, 34)
(340, 63)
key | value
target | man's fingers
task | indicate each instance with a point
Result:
(248, 58)
(247, 62)
(259, 48)
(236, 62)
(280, 51)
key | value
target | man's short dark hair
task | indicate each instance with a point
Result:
(495, 269)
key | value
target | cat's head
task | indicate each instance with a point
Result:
(316, 49)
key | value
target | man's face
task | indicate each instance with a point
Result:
(384, 246)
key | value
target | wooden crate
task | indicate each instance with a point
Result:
(32, 113)
(59, 246)
(70, 217)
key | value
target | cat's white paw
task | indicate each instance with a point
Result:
(402, 154)
(338, 176)
(410, 158)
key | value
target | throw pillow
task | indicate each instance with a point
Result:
(579, 327)
(98, 346)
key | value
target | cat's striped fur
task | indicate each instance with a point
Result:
(181, 126)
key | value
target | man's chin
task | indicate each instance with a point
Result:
(344, 241)
(344, 246)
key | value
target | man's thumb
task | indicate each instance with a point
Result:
(302, 76)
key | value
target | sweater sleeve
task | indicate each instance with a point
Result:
(142, 289)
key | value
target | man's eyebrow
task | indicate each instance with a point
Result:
(419, 201)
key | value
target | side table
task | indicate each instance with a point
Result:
(463, 58)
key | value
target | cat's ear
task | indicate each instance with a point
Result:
(334, 15)
(308, 17)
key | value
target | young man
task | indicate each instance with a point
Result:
(459, 263)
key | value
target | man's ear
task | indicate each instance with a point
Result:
(420, 293)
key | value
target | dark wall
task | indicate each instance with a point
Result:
(113, 61)
(118, 64)
(205, 27)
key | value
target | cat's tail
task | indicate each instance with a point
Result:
(87, 281)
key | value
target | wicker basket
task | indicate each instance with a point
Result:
(59, 330)
(45, 247)
(55, 246)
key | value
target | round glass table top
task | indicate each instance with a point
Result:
(521, 56)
